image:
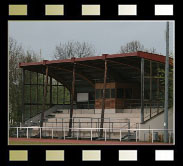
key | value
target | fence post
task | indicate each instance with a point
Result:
(78, 135)
(64, 133)
(136, 135)
(79, 127)
(152, 137)
(27, 133)
(17, 132)
(109, 128)
(105, 134)
(120, 135)
(52, 133)
(139, 131)
(128, 128)
(112, 126)
(40, 132)
(98, 124)
(72, 127)
(62, 124)
(91, 134)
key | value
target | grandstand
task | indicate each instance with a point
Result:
(103, 97)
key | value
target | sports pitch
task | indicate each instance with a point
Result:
(37, 141)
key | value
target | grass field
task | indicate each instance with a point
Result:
(37, 141)
(31, 143)
(24, 141)
(40, 142)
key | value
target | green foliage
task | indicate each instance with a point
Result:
(33, 95)
(161, 72)
(134, 46)
(17, 55)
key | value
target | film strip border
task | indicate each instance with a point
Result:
(24, 156)
(90, 155)
(90, 10)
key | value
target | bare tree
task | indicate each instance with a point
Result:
(135, 46)
(74, 49)
(132, 47)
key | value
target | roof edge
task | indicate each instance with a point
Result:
(146, 55)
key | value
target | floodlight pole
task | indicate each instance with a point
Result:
(166, 86)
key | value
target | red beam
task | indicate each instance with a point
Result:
(79, 74)
(150, 56)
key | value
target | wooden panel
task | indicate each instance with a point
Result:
(108, 85)
(120, 103)
(136, 93)
(126, 85)
(109, 103)
(112, 103)
(116, 103)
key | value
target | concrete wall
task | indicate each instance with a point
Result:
(156, 123)
(117, 120)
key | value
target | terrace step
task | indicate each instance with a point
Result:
(58, 112)
(50, 116)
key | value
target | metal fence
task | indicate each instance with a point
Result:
(88, 122)
(91, 130)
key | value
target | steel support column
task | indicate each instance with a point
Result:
(44, 98)
(57, 92)
(30, 94)
(150, 87)
(64, 97)
(51, 92)
(157, 88)
(142, 90)
(37, 92)
(103, 101)
(43, 84)
(72, 99)
(23, 82)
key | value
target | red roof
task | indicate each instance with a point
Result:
(145, 55)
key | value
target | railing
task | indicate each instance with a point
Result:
(153, 113)
(136, 103)
(90, 130)
(150, 130)
(91, 120)
(92, 123)
(86, 105)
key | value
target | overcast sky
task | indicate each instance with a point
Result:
(105, 36)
